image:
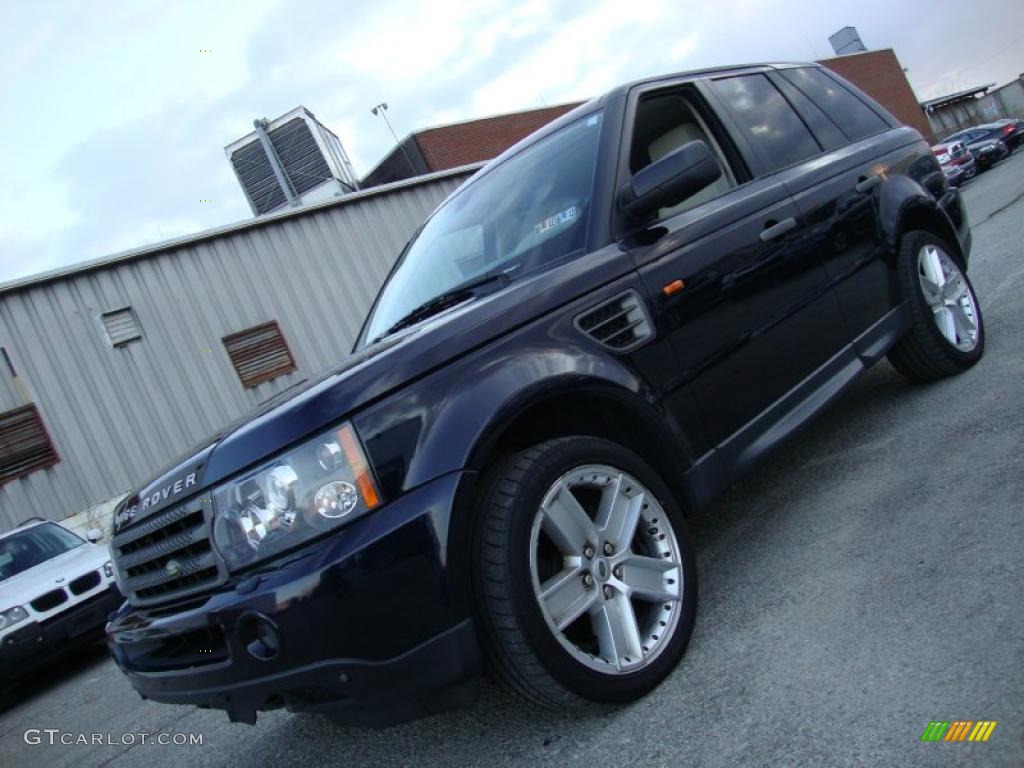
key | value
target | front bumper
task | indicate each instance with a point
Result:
(954, 174)
(29, 646)
(364, 624)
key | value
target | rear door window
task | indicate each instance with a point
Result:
(771, 124)
(855, 118)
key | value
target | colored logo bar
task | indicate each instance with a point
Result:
(958, 730)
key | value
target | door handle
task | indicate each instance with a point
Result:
(774, 230)
(867, 183)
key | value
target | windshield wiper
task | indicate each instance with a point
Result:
(460, 293)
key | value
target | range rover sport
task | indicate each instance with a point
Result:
(594, 336)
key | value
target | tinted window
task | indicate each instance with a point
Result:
(855, 118)
(824, 130)
(525, 213)
(773, 127)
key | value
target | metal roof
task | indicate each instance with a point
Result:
(208, 234)
(968, 93)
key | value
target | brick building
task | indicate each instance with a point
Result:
(880, 75)
(877, 73)
(452, 146)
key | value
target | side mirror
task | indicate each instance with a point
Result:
(682, 172)
(94, 535)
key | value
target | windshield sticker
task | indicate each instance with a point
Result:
(559, 218)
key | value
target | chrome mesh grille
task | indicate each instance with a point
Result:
(167, 555)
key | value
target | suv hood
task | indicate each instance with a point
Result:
(370, 374)
(315, 404)
(30, 584)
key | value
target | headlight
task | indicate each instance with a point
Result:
(12, 616)
(108, 569)
(298, 496)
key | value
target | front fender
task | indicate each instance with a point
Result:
(437, 424)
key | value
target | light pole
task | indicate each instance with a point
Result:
(382, 110)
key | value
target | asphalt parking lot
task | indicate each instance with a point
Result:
(864, 581)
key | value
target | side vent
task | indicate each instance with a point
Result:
(620, 324)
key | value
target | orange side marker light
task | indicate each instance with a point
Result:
(672, 288)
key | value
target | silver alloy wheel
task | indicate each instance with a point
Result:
(606, 569)
(949, 297)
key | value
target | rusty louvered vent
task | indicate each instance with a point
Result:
(259, 354)
(24, 443)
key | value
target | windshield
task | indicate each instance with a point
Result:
(29, 548)
(522, 215)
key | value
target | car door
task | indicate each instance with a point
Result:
(746, 307)
(836, 196)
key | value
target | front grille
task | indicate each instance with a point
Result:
(49, 600)
(167, 555)
(84, 583)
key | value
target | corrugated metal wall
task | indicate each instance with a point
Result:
(118, 414)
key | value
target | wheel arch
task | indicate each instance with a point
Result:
(920, 213)
(561, 409)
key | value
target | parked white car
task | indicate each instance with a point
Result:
(56, 591)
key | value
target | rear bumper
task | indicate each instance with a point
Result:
(30, 646)
(364, 625)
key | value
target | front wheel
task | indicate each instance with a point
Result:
(585, 577)
(947, 334)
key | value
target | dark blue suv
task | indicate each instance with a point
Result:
(590, 339)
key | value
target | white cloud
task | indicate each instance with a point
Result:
(115, 123)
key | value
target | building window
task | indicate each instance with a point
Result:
(122, 326)
(24, 443)
(259, 354)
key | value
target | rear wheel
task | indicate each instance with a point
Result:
(585, 576)
(947, 334)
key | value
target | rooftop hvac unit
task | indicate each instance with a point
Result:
(290, 161)
(847, 40)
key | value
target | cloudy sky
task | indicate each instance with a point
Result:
(115, 117)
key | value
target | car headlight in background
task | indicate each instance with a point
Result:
(324, 483)
(12, 616)
(108, 569)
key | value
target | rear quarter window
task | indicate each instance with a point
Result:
(854, 118)
(778, 134)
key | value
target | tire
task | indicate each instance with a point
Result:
(526, 507)
(947, 332)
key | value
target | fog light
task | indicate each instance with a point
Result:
(336, 499)
(260, 637)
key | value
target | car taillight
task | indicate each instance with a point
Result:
(1007, 129)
